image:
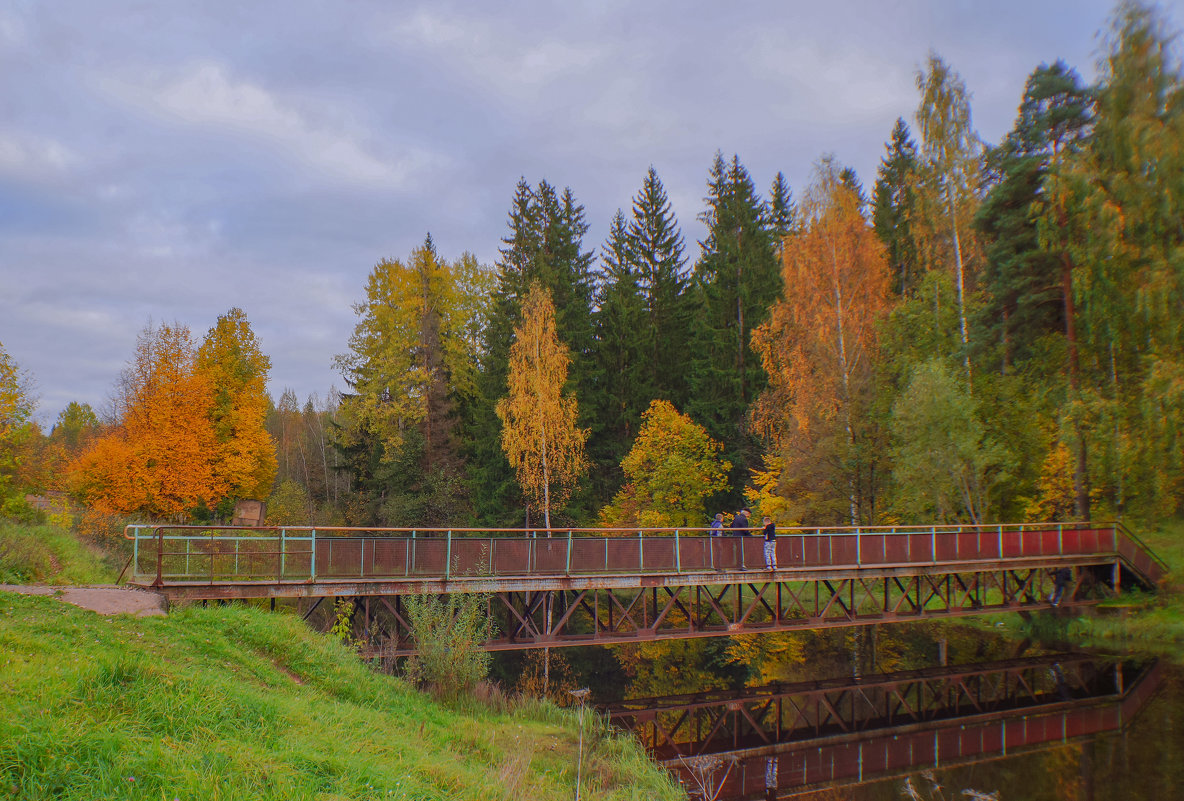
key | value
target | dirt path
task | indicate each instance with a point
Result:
(106, 600)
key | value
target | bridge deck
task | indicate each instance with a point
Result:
(598, 587)
(212, 562)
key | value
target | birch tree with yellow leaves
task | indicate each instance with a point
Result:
(540, 436)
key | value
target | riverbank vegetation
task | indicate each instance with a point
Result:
(233, 702)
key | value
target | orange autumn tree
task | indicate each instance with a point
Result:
(236, 368)
(817, 348)
(540, 436)
(158, 459)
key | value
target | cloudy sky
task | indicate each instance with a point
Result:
(168, 161)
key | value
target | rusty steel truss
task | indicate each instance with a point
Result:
(679, 610)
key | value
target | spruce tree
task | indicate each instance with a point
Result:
(782, 210)
(735, 281)
(656, 247)
(849, 179)
(624, 345)
(892, 206)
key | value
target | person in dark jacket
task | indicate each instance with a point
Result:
(740, 531)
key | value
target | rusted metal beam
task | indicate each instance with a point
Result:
(608, 616)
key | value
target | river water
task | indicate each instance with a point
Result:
(915, 712)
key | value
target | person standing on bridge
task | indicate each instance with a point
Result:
(770, 544)
(716, 530)
(740, 531)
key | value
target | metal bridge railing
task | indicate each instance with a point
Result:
(164, 554)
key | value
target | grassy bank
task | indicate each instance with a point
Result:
(47, 554)
(1147, 621)
(234, 703)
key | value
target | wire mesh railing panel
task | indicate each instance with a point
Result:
(871, 549)
(226, 554)
(658, 554)
(622, 554)
(509, 556)
(429, 556)
(550, 555)
(694, 552)
(388, 557)
(339, 557)
(591, 555)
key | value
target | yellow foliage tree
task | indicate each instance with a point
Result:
(159, 459)
(764, 495)
(236, 368)
(1056, 495)
(672, 468)
(539, 432)
(416, 341)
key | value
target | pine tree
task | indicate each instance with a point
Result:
(1027, 285)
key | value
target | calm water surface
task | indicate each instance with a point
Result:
(912, 712)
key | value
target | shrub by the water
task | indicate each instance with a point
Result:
(449, 631)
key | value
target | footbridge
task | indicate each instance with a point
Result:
(787, 739)
(605, 586)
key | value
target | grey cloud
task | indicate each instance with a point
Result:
(167, 162)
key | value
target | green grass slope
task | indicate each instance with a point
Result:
(239, 703)
(48, 554)
(1143, 620)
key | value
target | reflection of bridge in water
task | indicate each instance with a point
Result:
(609, 586)
(785, 739)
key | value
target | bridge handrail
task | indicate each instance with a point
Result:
(562, 532)
(1130, 535)
(679, 550)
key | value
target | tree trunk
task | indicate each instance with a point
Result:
(1081, 467)
(846, 376)
(961, 283)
